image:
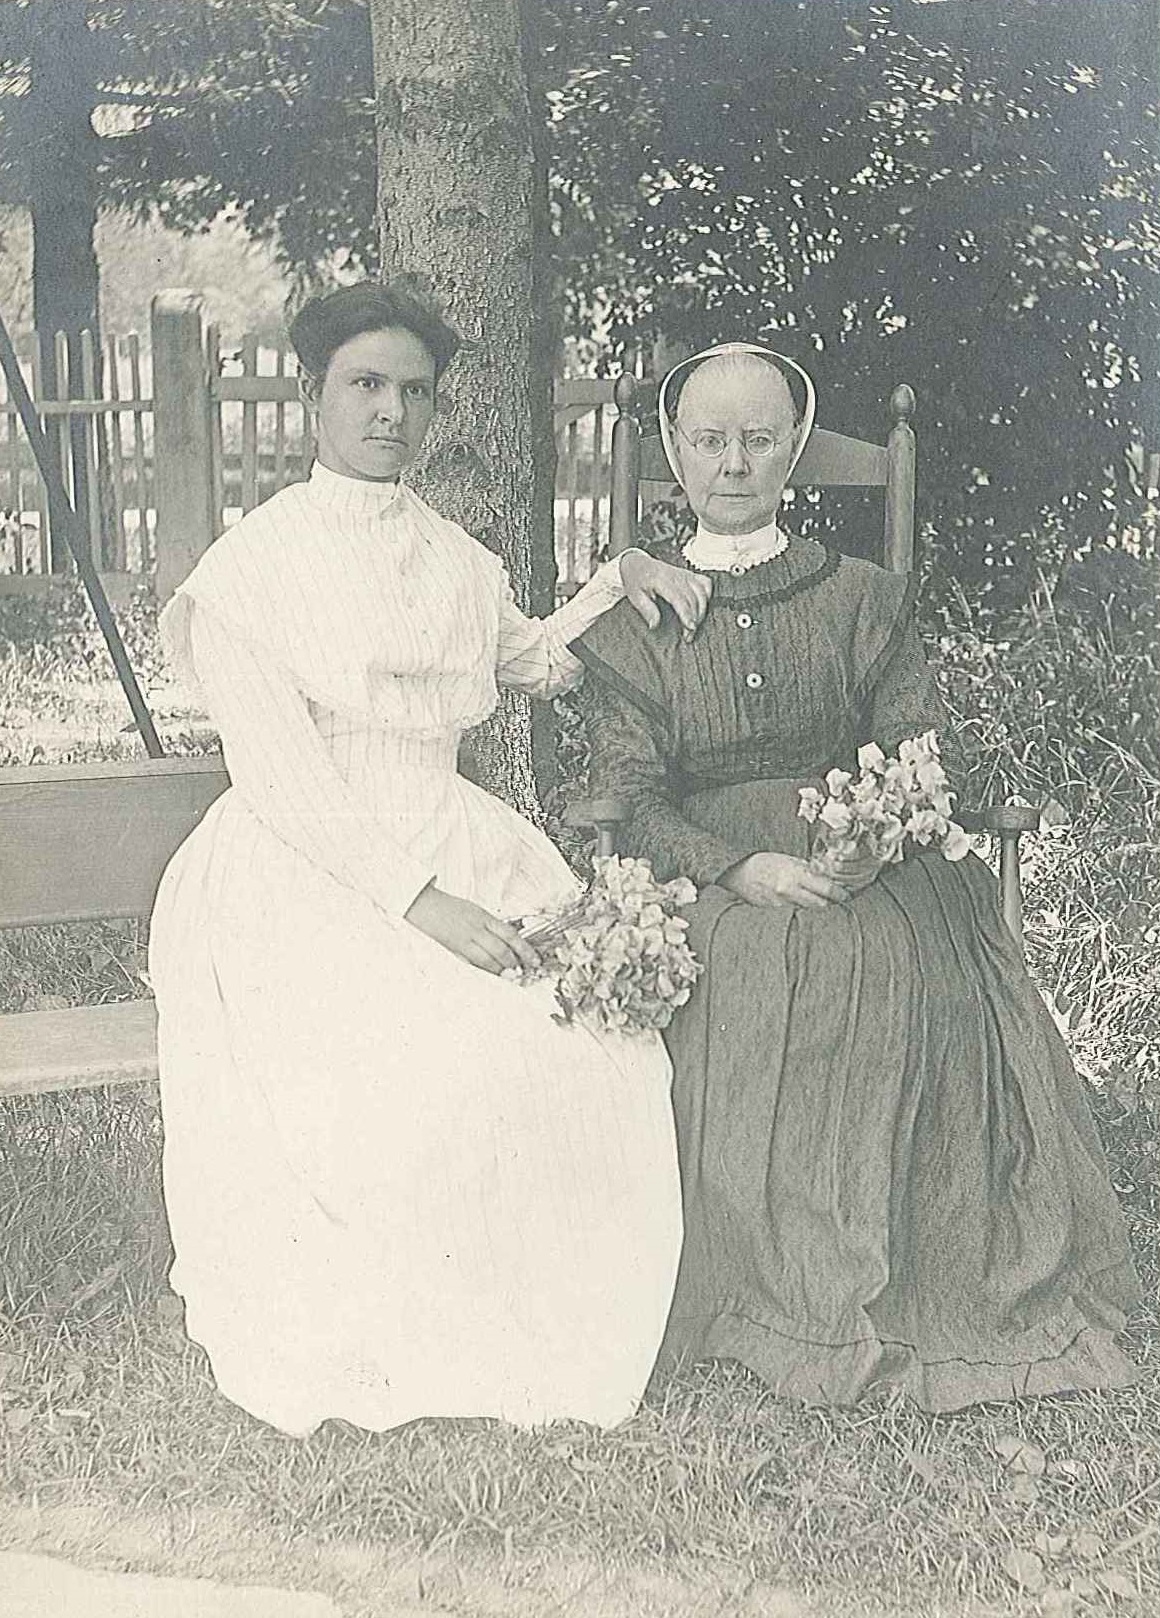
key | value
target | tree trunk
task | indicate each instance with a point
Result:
(546, 345)
(62, 198)
(456, 204)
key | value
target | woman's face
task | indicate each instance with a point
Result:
(737, 491)
(375, 404)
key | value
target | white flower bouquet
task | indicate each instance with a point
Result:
(619, 955)
(891, 801)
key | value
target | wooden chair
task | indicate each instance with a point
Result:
(641, 473)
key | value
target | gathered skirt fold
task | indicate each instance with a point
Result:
(890, 1173)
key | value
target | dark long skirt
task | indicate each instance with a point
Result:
(890, 1174)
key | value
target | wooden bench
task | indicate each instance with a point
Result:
(89, 842)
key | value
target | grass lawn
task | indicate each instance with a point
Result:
(717, 1498)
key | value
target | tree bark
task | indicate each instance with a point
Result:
(457, 180)
(62, 194)
(546, 345)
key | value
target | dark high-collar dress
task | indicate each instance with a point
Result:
(888, 1167)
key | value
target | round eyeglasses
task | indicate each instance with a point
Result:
(758, 441)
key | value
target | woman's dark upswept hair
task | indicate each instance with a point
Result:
(321, 326)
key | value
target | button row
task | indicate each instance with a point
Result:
(744, 620)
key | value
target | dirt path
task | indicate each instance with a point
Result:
(369, 1581)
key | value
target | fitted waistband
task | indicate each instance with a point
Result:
(438, 752)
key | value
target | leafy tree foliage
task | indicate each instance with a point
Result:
(962, 195)
(175, 109)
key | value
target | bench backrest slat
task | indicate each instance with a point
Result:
(91, 840)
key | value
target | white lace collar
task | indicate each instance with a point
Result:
(734, 553)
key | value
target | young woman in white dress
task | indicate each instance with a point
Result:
(396, 1187)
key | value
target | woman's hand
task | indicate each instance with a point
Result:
(855, 872)
(646, 581)
(472, 933)
(779, 879)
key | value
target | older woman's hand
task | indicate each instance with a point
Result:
(780, 879)
(854, 873)
(647, 581)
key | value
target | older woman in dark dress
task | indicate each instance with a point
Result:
(889, 1172)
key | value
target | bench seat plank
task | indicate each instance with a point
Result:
(78, 1048)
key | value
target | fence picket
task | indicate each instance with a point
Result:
(572, 534)
(44, 554)
(249, 427)
(602, 464)
(590, 481)
(280, 423)
(88, 434)
(306, 447)
(114, 446)
(12, 457)
(144, 491)
(213, 367)
(58, 549)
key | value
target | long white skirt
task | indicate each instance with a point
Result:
(396, 1188)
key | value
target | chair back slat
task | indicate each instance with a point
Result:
(85, 841)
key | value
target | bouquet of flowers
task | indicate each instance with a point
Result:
(618, 955)
(892, 800)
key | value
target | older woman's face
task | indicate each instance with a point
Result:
(735, 492)
(375, 404)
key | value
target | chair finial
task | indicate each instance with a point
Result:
(902, 403)
(624, 393)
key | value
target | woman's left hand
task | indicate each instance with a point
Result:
(647, 581)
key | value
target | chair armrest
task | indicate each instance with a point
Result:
(597, 812)
(1008, 821)
(606, 814)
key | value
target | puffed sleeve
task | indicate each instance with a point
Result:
(279, 765)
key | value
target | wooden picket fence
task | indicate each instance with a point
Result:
(163, 445)
(259, 430)
(584, 414)
(99, 421)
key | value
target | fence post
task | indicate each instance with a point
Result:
(182, 441)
